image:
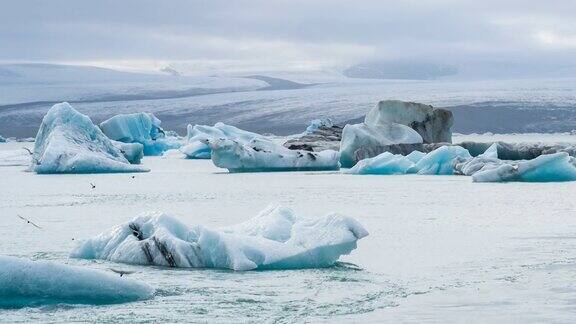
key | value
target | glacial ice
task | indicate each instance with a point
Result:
(25, 283)
(275, 239)
(68, 142)
(385, 163)
(415, 156)
(263, 155)
(143, 128)
(196, 146)
(316, 124)
(433, 124)
(133, 152)
(441, 160)
(358, 136)
(2, 139)
(545, 168)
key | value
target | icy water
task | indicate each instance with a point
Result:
(441, 248)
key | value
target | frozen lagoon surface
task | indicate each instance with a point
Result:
(440, 249)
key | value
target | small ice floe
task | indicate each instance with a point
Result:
(26, 283)
(68, 142)
(143, 128)
(275, 239)
(196, 146)
(262, 155)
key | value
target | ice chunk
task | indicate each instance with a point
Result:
(316, 124)
(545, 168)
(415, 156)
(68, 142)
(2, 139)
(25, 283)
(442, 160)
(133, 152)
(196, 146)
(433, 124)
(143, 128)
(385, 163)
(361, 137)
(275, 239)
(491, 152)
(262, 155)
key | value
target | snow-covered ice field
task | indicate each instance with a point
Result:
(441, 248)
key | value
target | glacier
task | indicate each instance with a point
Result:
(68, 142)
(143, 128)
(385, 163)
(275, 239)
(263, 155)
(26, 283)
(196, 146)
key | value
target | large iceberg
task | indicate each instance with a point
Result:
(433, 124)
(25, 283)
(275, 239)
(196, 146)
(356, 137)
(143, 128)
(68, 142)
(262, 155)
(385, 163)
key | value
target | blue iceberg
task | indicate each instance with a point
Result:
(442, 160)
(25, 283)
(385, 163)
(545, 168)
(263, 155)
(68, 142)
(143, 128)
(275, 239)
(133, 152)
(2, 139)
(196, 146)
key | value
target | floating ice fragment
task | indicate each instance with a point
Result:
(441, 160)
(143, 128)
(385, 163)
(275, 239)
(262, 155)
(25, 283)
(68, 142)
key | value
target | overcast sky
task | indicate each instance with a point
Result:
(292, 33)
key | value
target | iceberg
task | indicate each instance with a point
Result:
(2, 139)
(196, 146)
(433, 124)
(545, 168)
(316, 124)
(143, 128)
(275, 239)
(415, 156)
(442, 160)
(385, 163)
(133, 152)
(25, 283)
(320, 135)
(356, 137)
(68, 142)
(262, 155)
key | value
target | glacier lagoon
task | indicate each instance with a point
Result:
(439, 246)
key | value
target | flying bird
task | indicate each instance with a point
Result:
(27, 149)
(93, 185)
(29, 221)
(122, 272)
